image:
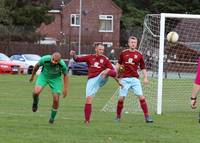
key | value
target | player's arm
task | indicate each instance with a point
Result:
(78, 58)
(65, 78)
(73, 54)
(35, 69)
(119, 70)
(65, 84)
(117, 67)
(144, 71)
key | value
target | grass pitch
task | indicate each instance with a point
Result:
(19, 125)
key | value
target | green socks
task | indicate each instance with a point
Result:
(53, 114)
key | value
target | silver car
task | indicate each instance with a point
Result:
(27, 60)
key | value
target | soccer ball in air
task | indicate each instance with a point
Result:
(172, 37)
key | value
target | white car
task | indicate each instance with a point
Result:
(28, 61)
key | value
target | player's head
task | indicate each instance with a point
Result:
(99, 48)
(55, 58)
(132, 42)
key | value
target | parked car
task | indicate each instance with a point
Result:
(27, 60)
(8, 66)
(76, 68)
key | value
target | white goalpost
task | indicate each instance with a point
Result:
(187, 26)
(161, 52)
(171, 66)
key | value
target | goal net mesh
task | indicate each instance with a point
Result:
(179, 67)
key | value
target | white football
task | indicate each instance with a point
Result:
(172, 37)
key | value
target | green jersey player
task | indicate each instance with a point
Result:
(53, 67)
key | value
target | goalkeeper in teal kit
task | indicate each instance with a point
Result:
(53, 67)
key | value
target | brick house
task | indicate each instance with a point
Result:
(100, 22)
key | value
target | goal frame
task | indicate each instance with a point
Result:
(163, 17)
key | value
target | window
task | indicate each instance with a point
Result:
(75, 20)
(108, 44)
(16, 57)
(106, 23)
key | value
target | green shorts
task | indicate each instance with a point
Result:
(54, 83)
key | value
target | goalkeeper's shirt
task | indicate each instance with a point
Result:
(52, 70)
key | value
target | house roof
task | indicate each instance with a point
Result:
(57, 4)
(116, 6)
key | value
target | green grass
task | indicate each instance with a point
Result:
(19, 125)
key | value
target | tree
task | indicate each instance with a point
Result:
(4, 14)
(134, 12)
(20, 18)
(131, 20)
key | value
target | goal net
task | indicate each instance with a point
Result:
(171, 66)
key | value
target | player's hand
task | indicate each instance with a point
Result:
(64, 93)
(145, 81)
(193, 103)
(72, 53)
(31, 79)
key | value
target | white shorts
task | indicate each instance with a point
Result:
(93, 85)
(130, 83)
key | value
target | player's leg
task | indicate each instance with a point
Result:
(123, 92)
(88, 109)
(56, 87)
(137, 89)
(55, 106)
(40, 84)
(144, 106)
(101, 81)
(108, 72)
(120, 105)
(93, 85)
(36, 93)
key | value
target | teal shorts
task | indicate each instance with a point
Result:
(54, 83)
